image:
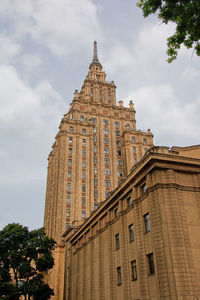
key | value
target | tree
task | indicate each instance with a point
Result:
(186, 15)
(25, 256)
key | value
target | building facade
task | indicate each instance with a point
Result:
(95, 148)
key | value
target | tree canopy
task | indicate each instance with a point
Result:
(25, 256)
(186, 15)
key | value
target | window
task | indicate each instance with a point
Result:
(100, 94)
(95, 139)
(128, 126)
(118, 142)
(95, 181)
(109, 95)
(83, 200)
(69, 186)
(83, 188)
(105, 131)
(106, 161)
(134, 149)
(83, 214)
(105, 122)
(70, 140)
(83, 175)
(106, 141)
(143, 188)
(81, 118)
(134, 270)
(131, 233)
(147, 222)
(135, 160)
(106, 194)
(119, 162)
(95, 130)
(117, 132)
(94, 120)
(70, 151)
(83, 142)
(116, 124)
(133, 139)
(117, 241)
(119, 173)
(129, 201)
(151, 263)
(119, 276)
(107, 171)
(70, 129)
(95, 170)
(68, 213)
(95, 159)
(95, 193)
(67, 225)
(91, 92)
(68, 199)
(106, 150)
(145, 141)
(84, 131)
(107, 183)
(95, 149)
(118, 152)
(69, 174)
(84, 152)
(116, 212)
(83, 163)
(95, 205)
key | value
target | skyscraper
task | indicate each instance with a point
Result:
(95, 148)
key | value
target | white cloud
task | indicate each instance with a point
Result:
(9, 49)
(190, 73)
(60, 25)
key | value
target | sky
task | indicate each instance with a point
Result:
(46, 47)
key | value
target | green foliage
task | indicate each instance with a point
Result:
(186, 15)
(24, 258)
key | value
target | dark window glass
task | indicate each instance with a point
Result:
(131, 233)
(84, 131)
(69, 174)
(117, 241)
(151, 263)
(70, 129)
(68, 213)
(106, 150)
(83, 188)
(84, 152)
(116, 212)
(83, 214)
(107, 183)
(84, 142)
(95, 193)
(143, 188)
(95, 181)
(70, 151)
(105, 122)
(119, 276)
(106, 141)
(69, 186)
(147, 222)
(68, 198)
(134, 270)
(95, 205)
(70, 139)
(83, 163)
(129, 201)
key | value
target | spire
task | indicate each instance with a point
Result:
(95, 57)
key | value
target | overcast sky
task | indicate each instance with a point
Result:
(46, 47)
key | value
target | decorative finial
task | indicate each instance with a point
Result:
(95, 58)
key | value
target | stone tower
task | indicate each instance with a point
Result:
(95, 148)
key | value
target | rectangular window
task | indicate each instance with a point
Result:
(70, 140)
(129, 201)
(95, 159)
(118, 152)
(134, 270)
(95, 205)
(83, 214)
(83, 163)
(95, 149)
(145, 141)
(107, 171)
(83, 142)
(135, 160)
(94, 120)
(68, 199)
(105, 122)
(69, 174)
(143, 188)
(119, 173)
(95, 182)
(134, 149)
(70, 151)
(116, 124)
(127, 126)
(107, 183)
(106, 141)
(81, 118)
(83, 175)
(116, 212)
(151, 263)
(119, 276)
(83, 188)
(83, 200)
(95, 139)
(133, 139)
(70, 129)
(69, 186)
(106, 150)
(95, 170)
(131, 233)
(95, 130)
(118, 142)
(147, 222)
(84, 131)
(106, 194)
(95, 193)
(117, 132)
(67, 225)
(84, 152)
(119, 162)
(106, 161)
(68, 213)
(117, 241)
(105, 131)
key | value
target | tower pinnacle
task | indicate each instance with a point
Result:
(95, 57)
